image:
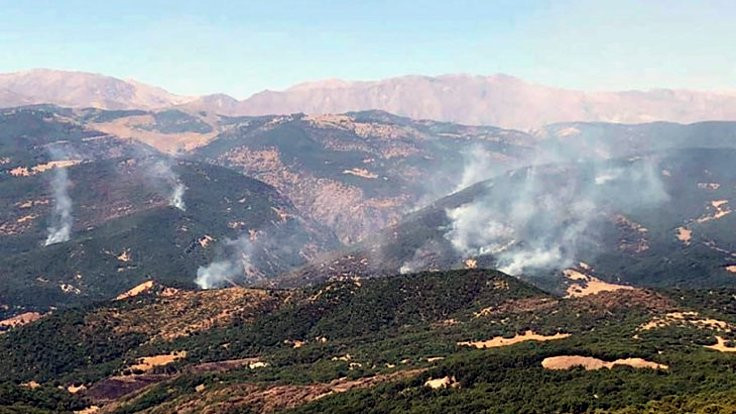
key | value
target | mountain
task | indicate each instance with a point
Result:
(10, 98)
(460, 341)
(81, 89)
(353, 173)
(125, 231)
(218, 103)
(597, 140)
(129, 237)
(499, 100)
(654, 219)
(358, 172)
(168, 130)
(86, 216)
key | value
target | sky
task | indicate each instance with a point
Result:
(242, 47)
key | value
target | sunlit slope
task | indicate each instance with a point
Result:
(358, 172)
(465, 340)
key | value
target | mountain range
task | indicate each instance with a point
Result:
(291, 200)
(498, 100)
(306, 251)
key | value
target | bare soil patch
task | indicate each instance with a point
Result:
(19, 320)
(584, 285)
(716, 210)
(565, 362)
(500, 341)
(148, 363)
(143, 287)
(685, 318)
(446, 382)
(684, 235)
(721, 346)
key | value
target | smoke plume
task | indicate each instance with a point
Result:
(460, 168)
(236, 265)
(256, 255)
(162, 170)
(479, 164)
(61, 218)
(177, 196)
(541, 217)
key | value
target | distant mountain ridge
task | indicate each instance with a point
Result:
(499, 100)
(81, 89)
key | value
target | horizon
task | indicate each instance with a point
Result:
(239, 50)
(723, 91)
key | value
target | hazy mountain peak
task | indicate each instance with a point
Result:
(497, 99)
(332, 83)
(82, 89)
(218, 103)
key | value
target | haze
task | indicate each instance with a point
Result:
(200, 48)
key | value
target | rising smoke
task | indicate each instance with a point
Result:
(60, 227)
(61, 217)
(460, 168)
(177, 196)
(255, 255)
(162, 170)
(540, 218)
(235, 264)
(479, 164)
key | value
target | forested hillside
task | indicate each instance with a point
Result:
(431, 342)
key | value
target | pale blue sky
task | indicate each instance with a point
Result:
(241, 47)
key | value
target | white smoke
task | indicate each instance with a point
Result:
(608, 176)
(61, 219)
(471, 164)
(529, 221)
(479, 164)
(276, 246)
(214, 274)
(162, 170)
(537, 258)
(476, 229)
(177, 196)
(235, 266)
